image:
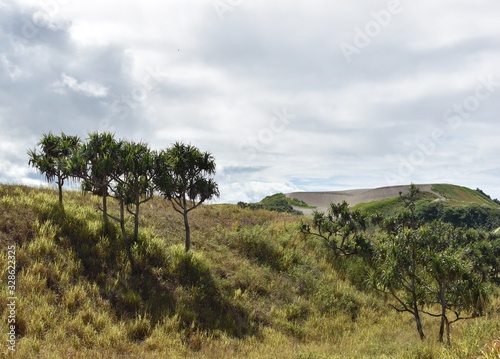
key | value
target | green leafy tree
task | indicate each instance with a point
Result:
(342, 229)
(184, 176)
(455, 285)
(132, 185)
(122, 170)
(135, 184)
(423, 266)
(398, 269)
(96, 163)
(398, 262)
(53, 159)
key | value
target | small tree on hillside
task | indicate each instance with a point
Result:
(422, 266)
(184, 176)
(398, 262)
(454, 283)
(54, 157)
(398, 269)
(96, 164)
(342, 229)
(135, 183)
(132, 185)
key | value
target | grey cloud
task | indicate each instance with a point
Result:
(352, 123)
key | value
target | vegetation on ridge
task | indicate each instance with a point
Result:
(452, 204)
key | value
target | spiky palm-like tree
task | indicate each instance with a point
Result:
(133, 180)
(184, 176)
(96, 165)
(54, 158)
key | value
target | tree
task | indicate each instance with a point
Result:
(54, 158)
(135, 183)
(122, 170)
(398, 269)
(96, 164)
(398, 264)
(184, 176)
(455, 285)
(132, 185)
(426, 265)
(341, 228)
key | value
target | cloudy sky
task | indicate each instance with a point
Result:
(287, 95)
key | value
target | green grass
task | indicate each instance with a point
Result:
(460, 206)
(298, 203)
(392, 206)
(252, 287)
(459, 195)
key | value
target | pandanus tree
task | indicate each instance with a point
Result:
(54, 158)
(398, 263)
(119, 169)
(132, 185)
(134, 180)
(96, 164)
(424, 266)
(399, 270)
(184, 176)
(342, 229)
(455, 285)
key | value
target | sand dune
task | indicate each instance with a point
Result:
(322, 200)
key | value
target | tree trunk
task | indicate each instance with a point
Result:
(441, 328)
(125, 237)
(416, 313)
(136, 223)
(188, 231)
(60, 186)
(419, 323)
(443, 313)
(448, 338)
(105, 209)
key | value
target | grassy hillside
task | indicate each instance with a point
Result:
(252, 287)
(392, 206)
(278, 202)
(459, 195)
(458, 205)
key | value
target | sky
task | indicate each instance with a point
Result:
(288, 96)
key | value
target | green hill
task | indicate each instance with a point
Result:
(460, 195)
(278, 202)
(253, 286)
(458, 205)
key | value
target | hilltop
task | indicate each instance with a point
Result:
(448, 193)
(459, 205)
(252, 286)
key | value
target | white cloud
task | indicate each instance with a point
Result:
(87, 88)
(252, 191)
(12, 70)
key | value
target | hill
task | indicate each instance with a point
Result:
(459, 205)
(253, 286)
(446, 192)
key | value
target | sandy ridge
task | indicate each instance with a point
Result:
(322, 200)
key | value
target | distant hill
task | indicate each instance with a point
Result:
(455, 204)
(446, 192)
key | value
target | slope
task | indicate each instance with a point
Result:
(253, 286)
